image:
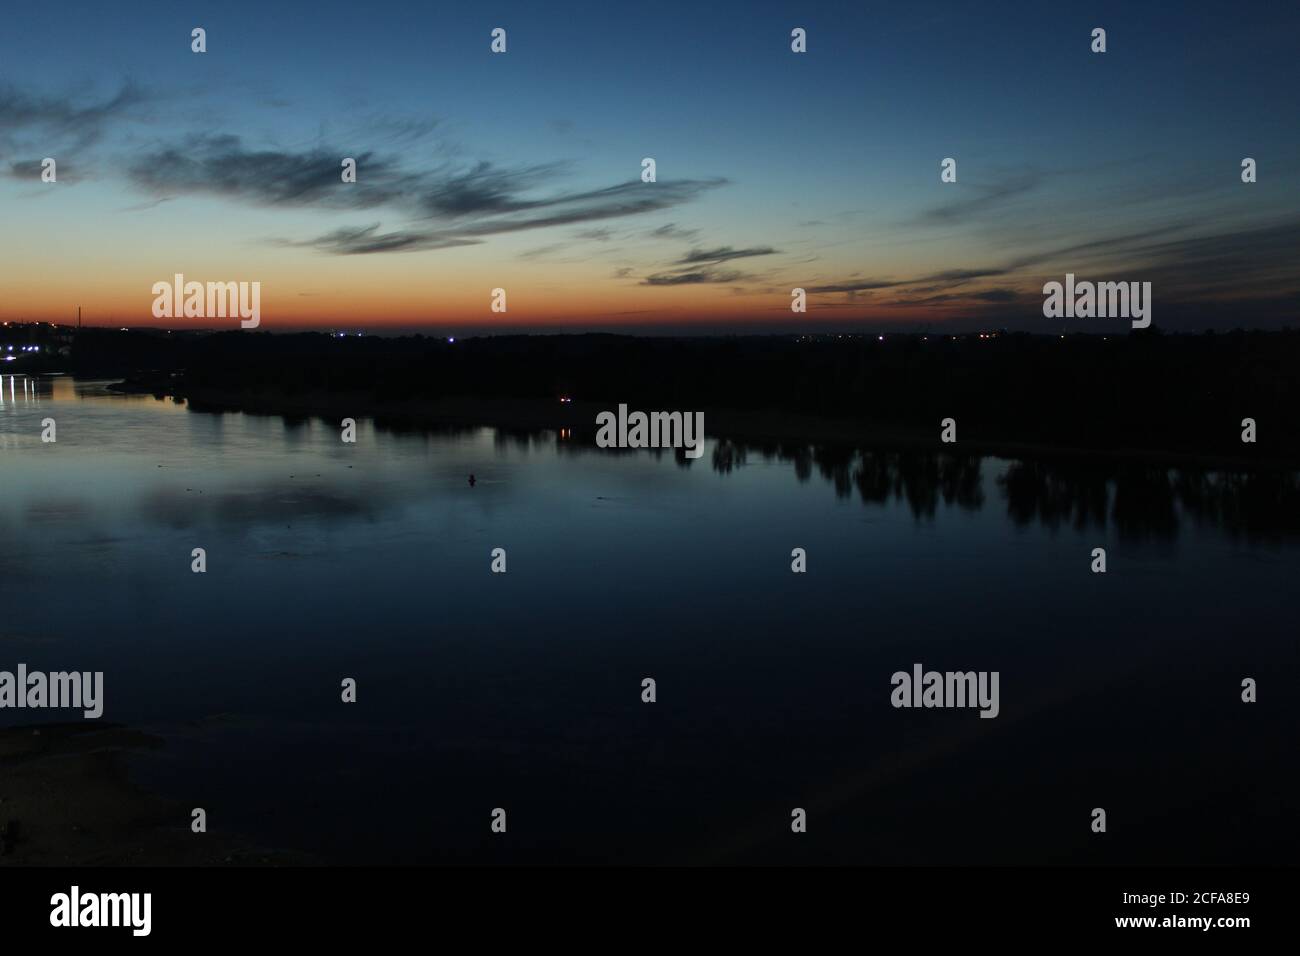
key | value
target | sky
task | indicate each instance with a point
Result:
(774, 169)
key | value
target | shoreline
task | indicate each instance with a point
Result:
(753, 427)
(67, 799)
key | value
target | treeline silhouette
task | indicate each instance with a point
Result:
(1144, 391)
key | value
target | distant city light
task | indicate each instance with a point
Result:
(451, 339)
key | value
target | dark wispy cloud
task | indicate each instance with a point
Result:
(20, 108)
(1243, 262)
(722, 254)
(63, 118)
(1113, 246)
(448, 205)
(699, 267)
(1000, 296)
(368, 239)
(673, 231)
(220, 165)
(856, 285)
(696, 277)
(974, 199)
(610, 203)
(30, 170)
(1186, 265)
(544, 252)
(401, 130)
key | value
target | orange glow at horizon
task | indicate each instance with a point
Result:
(528, 304)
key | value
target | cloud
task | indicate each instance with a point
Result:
(30, 170)
(700, 267)
(542, 252)
(462, 204)
(612, 202)
(1245, 263)
(1247, 273)
(1122, 245)
(696, 277)
(856, 285)
(722, 254)
(1000, 296)
(672, 231)
(81, 121)
(368, 239)
(219, 165)
(987, 197)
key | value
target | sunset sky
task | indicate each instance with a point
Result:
(775, 169)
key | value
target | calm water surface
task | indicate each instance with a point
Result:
(480, 690)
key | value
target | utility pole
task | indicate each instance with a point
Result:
(78, 317)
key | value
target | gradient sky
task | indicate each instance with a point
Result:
(775, 170)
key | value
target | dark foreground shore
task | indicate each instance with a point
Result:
(67, 799)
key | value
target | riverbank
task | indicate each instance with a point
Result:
(749, 427)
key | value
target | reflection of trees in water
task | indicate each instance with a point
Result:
(1144, 502)
(727, 455)
(920, 479)
(1041, 492)
(1086, 494)
(1148, 501)
(1254, 504)
(1140, 500)
(1137, 499)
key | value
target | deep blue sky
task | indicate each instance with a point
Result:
(775, 170)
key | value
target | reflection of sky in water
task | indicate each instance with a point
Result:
(328, 560)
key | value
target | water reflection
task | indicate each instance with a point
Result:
(1137, 499)
(327, 559)
(15, 389)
